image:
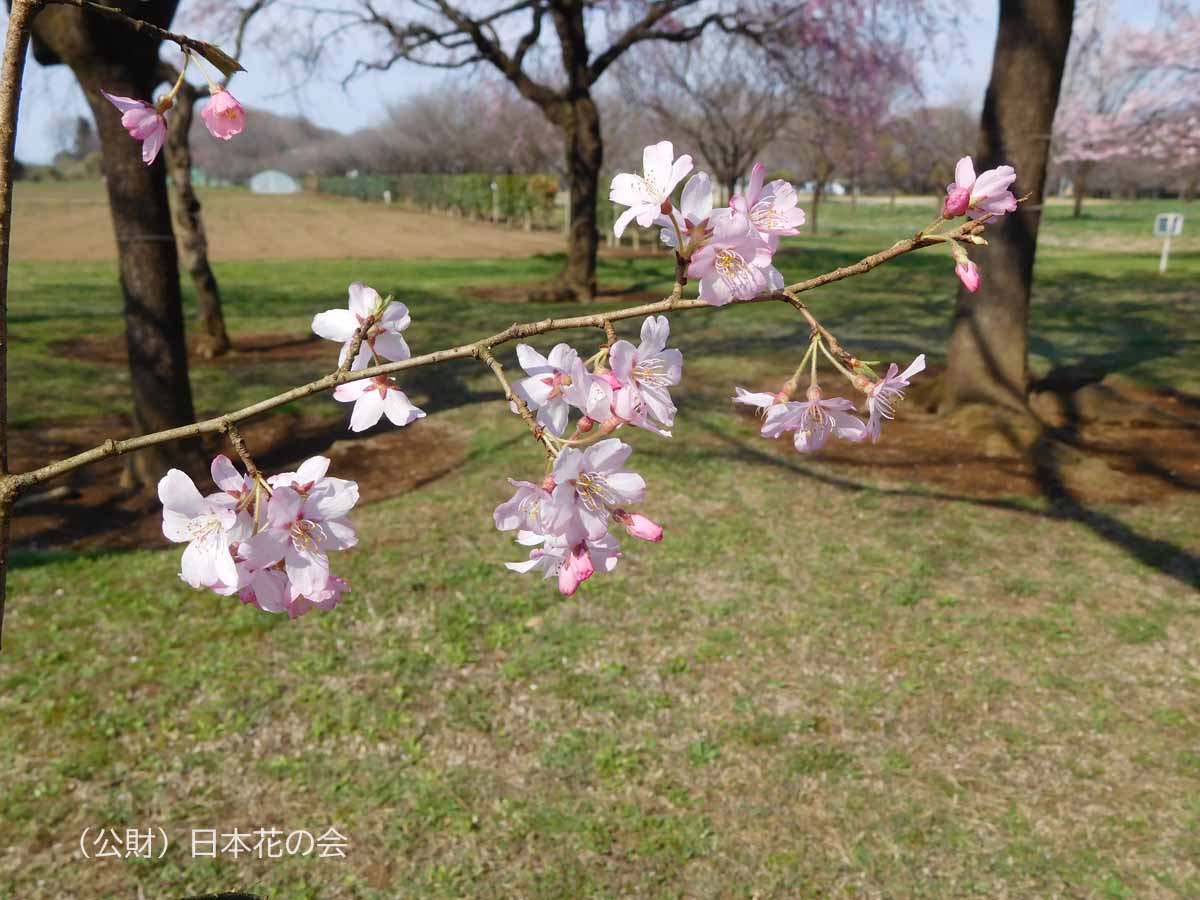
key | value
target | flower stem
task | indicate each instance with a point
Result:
(837, 365)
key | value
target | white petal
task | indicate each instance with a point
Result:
(399, 410)
(178, 493)
(335, 325)
(367, 411)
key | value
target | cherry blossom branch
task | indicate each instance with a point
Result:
(480, 349)
(15, 42)
(215, 55)
(239, 446)
(539, 433)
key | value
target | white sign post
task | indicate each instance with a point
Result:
(1167, 226)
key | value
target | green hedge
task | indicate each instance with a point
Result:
(471, 195)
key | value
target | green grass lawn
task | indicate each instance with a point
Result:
(820, 685)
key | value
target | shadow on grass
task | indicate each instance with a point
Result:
(1170, 559)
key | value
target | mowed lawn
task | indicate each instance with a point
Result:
(823, 683)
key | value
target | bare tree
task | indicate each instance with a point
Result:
(449, 35)
(123, 61)
(989, 344)
(702, 92)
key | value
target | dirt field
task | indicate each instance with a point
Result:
(71, 222)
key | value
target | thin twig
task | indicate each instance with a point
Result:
(535, 427)
(214, 54)
(239, 446)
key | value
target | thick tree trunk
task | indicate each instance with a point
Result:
(107, 55)
(1079, 189)
(189, 226)
(815, 218)
(585, 155)
(988, 346)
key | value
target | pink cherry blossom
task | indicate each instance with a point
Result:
(324, 599)
(529, 509)
(771, 209)
(695, 210)
(144, 123)
(646, 194)
(883, 394)
(985, 194)
(645, 374)
(205, 526)
(554, 384)
(374, 398)
(302, 531)
(735, 264)
(570, 563)
(968, 274)
(383, 338)
(223, 116)
(813, 421)
(589, 484)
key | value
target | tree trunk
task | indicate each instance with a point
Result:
(988, 346)
(189, 226)
(818, 190)
(585, 155)
(1189, 189)
(107, 55)
(1079, 189)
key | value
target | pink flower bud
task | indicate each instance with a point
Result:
(968, 274)
(585, 424)
(223, 116)
(576, 569)
(639, 526)
(957, 201)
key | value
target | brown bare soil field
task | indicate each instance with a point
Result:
(71, 222)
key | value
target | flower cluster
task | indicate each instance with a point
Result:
(729, 250)
(224, 117)
(375, 324)
(268, 541)
(814, 419)
(975, 197)
(565, 519)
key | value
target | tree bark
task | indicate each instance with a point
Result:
(108, 55)
(1079, 189)
(585, 155)
(189, 226)
(988, 346)
(818, 190)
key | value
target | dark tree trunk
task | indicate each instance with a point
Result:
(585, 155)
(189, 226)
(988, 346)
(1079, 189)
(107, 55)
(818, 191)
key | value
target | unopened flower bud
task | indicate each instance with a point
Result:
(639, 526)
(957, 201)
(968, 274)
(585, 424)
